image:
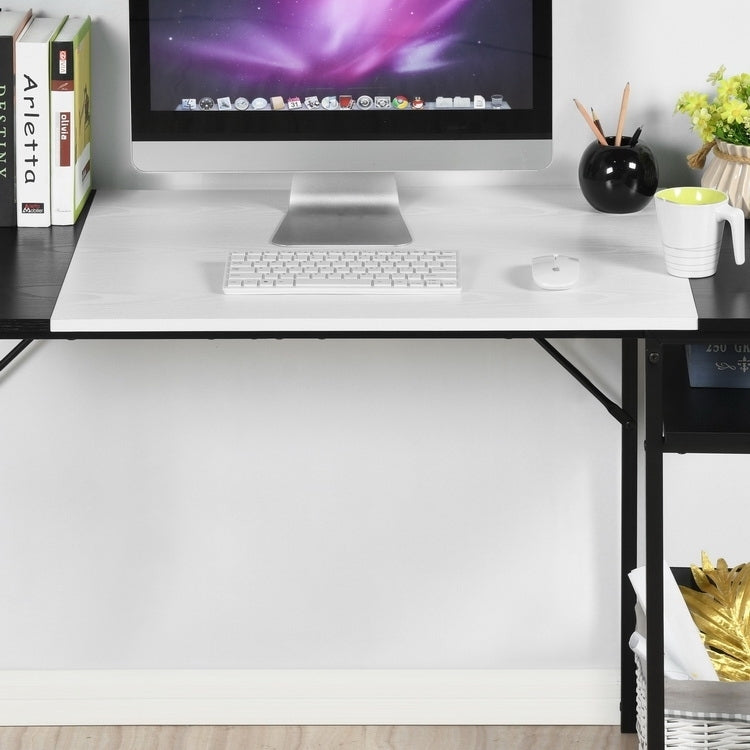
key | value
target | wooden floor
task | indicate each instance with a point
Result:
(316, 738)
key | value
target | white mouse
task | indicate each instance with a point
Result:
(555, 271)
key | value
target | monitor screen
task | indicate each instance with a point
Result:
(332, 69)
(294, 57)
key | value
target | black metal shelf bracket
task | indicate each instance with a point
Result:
(625, 419)
(14, 352)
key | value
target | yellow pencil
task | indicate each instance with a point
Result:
(623, 110)
(590, 123)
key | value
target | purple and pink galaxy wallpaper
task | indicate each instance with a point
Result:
(429, 48)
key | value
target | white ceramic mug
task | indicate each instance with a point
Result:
(691, 224)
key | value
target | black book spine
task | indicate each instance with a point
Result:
(7, 134)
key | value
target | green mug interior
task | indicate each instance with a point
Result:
(692, 196)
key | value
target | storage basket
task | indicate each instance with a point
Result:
(698, 715)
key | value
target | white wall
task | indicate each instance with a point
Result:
(385, 504)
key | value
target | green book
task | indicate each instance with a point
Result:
(70, 120)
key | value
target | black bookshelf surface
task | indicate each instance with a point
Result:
(723, 300)
(33, 264)
(702, 420)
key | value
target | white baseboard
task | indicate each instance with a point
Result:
(95, 697)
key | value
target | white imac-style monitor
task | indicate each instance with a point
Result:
(342, 93)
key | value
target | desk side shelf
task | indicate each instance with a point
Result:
(681, 419)
(702, 420)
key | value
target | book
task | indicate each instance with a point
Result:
(32, 122)
(12, 23)
(70, 123)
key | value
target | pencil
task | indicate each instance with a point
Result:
(623, 111)
(590, 123)
(597, 121)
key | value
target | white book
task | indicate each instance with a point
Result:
(33, 122)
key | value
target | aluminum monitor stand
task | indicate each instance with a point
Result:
(343, 208)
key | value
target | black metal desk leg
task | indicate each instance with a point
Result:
(655, 542)
(14, 352)
(625, 414)
(629, 530)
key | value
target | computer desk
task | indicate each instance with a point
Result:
(148, 264)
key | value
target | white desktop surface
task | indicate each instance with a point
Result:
(153, 261)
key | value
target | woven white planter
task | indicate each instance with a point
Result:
(729, 171)
(698, 715)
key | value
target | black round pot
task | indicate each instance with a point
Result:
(618, 179)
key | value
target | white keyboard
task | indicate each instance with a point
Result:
(342, 271)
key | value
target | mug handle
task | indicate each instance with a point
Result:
(736, 219)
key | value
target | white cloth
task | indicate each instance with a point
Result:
(685, 656)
